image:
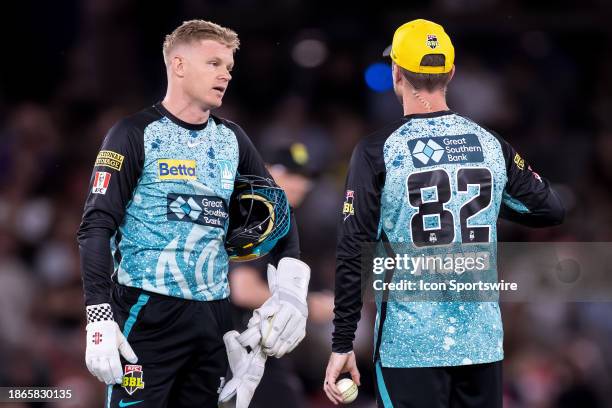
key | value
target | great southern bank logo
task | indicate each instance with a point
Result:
(427, 151)
(446, 150)
(199, 209)
(182, 208)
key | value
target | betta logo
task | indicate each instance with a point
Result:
(172, 169)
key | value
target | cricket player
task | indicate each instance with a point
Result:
(152, 238)
(432, 178)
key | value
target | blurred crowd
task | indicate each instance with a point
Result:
(537, 74)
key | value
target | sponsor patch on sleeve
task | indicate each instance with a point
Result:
(347, 207)
(100, 183)
(535, 175)
(519, 161)
(108, 158)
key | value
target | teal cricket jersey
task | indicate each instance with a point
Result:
(432, 180)
(158, 205)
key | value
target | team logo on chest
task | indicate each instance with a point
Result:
(226, 174)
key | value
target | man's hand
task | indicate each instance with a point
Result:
(104, 343)
(282, 318)
(338, 364)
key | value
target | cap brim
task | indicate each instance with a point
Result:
(387, 51)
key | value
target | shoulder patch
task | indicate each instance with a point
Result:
(108, 158)
(101, 181)
(347, 207)
(519, 161)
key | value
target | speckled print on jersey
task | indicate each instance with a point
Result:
(159, 253)
(427, 334)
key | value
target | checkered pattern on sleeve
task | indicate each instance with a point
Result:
(98, 313)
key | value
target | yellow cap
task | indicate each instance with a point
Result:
(417, 38)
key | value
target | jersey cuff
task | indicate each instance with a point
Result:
(342, 348)
(99, 313)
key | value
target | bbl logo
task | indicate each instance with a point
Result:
(432, 41)
(347, 208)
(132, 378)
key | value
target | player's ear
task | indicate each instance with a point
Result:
(452, 73)
(177, 65)
(397, 75)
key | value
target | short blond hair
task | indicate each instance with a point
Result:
(196, 30)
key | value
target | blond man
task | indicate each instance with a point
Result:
(153, 260)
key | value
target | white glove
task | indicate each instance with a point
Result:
(282, 318)
(247, 370)
(104, 343)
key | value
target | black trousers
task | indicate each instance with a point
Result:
(179, 344)
(469, 386)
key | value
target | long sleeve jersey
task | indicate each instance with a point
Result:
(157, 211)
(432, 180)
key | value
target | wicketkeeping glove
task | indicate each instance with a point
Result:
(282, 318)
(104, 343)
(247, 370)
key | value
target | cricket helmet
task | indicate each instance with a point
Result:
(259, 217)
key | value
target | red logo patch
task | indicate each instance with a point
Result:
(101, 181)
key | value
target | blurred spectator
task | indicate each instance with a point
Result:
(288, 164)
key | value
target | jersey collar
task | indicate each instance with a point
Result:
(429, 114)
(191, 126)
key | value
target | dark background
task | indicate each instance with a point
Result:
(538, 73)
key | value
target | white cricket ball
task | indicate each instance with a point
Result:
(348, 389)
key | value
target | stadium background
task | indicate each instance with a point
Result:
(539, 73)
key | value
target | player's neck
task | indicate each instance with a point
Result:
(184, 108)
(416, 102)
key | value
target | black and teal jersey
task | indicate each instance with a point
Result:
(157, 210)
(432, 180)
